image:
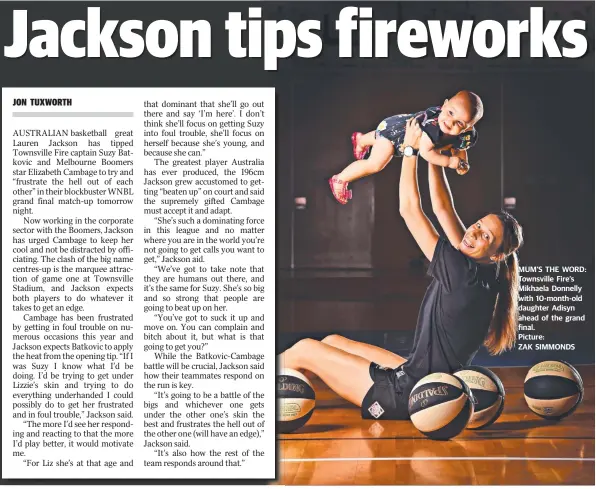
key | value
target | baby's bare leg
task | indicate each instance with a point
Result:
(381, 153)
(365, 140)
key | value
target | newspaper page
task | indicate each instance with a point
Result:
(298, 243)
(139, 235)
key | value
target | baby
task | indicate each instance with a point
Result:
(447, 133)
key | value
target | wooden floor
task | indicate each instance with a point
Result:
(337, 447)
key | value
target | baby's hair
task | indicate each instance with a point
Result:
(476, 106)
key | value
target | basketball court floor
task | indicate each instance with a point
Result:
(337, 447)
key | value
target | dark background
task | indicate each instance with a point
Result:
(355, 269)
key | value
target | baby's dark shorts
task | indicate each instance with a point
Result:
(394, 129)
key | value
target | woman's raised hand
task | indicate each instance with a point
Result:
(413, 133)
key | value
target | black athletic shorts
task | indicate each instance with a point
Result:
(388, 396)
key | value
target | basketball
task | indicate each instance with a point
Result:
(296, 400)
(553, 389)
(488, 393)
(440, 406)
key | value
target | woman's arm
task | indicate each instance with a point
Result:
(442, 202)
(410, 207)
(435, 155)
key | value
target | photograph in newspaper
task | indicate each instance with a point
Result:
(437, 297)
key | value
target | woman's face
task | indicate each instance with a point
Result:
(483, 239)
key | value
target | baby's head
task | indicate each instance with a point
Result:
(460, 113)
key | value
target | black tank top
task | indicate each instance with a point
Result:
(455, 313)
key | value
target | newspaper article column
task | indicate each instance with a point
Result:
(139, 259)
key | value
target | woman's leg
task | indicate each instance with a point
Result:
(381, 153)
(343, 372)
(372, 353)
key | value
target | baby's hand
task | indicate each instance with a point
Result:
(459, 165)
